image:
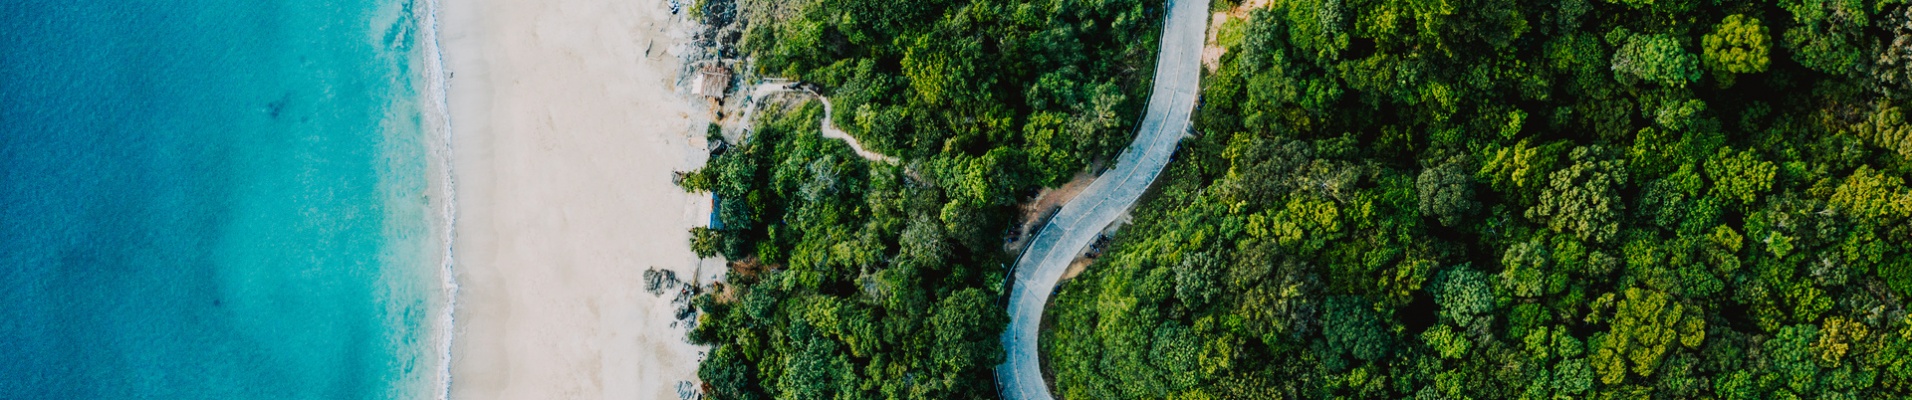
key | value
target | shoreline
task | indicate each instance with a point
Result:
(441, 180)
(568, 127)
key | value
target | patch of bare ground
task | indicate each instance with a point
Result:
(1094, 251)
(1076, 267)
(1241, 10)
(1037, 211)
(723, 294)
(747, 271)
(741, 272)
(1212, 49)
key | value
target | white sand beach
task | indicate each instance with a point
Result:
(565, 134)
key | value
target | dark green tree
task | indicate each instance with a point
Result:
(1447, 192)
(1826, 34)
(1659, 59)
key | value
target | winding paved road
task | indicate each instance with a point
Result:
(1177, 82)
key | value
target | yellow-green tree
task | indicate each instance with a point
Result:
(1583, 199)
(1646, 325)
(1739, 175)
(1870, 194)
(1737, 45)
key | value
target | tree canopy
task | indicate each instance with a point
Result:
(852, 279)
(1481, 199)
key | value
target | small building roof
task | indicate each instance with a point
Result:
(712, 81)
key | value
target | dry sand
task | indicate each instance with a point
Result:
(565, 131)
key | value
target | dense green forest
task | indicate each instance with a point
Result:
(858, 280)
(1450, 199)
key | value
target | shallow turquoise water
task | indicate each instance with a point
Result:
(214, 199)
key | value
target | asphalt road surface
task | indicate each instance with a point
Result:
(1177, 82)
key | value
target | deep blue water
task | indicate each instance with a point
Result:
(214, 199)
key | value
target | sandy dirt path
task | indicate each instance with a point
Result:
(765, 90)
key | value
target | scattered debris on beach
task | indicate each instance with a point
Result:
(687, 390)
(656, 281)
(686, 315)
(660, 281)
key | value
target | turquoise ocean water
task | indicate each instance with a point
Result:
(219, 200)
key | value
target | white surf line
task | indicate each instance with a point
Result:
(436, 86)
